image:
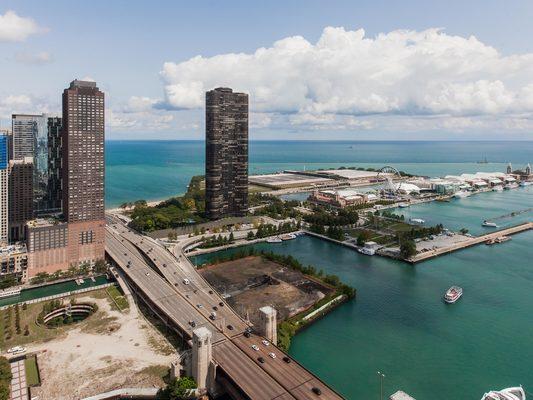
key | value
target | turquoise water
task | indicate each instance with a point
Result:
(50, 290)
(400, 325)
(154, 170)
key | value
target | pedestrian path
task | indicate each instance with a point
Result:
(19, 388)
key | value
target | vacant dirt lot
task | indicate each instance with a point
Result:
(109, 350)
(253, 282)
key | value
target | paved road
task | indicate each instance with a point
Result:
(160, 276)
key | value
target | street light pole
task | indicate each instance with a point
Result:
(381, 376)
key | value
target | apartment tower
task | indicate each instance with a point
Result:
(226, 170)
(4, 189)
(83, 170)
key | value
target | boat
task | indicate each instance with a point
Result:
(497, 189)
(288, 236)
(461, 194)
(418, 221)
(453, 294)
(403, 205)
(525, 183)
(366, 251)
(484, 161)
(9, 292)
(274, 240)
(513, 393)
(489, 224)
(510, 186)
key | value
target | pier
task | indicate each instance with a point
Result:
(426, 255)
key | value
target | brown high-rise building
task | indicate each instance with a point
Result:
(83, 170)
(20, 204)
(226, 168)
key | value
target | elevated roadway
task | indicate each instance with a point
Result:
(158, 276)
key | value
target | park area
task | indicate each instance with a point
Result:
(116, 346)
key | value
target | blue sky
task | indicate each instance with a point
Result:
(400, 79)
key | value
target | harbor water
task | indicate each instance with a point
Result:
(51, 290)
(400, 325)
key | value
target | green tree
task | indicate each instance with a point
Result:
(172, 235)
(463, 231)
(407, 248)
(177, 388)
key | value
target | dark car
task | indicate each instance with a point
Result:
(287, 359)
(230, 327)
(316, 391)
(261, 360)
(221, 304)
(247, 334)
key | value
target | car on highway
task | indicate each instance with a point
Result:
(261, 360)
(186, 281)
(199, 306)
(316, 391)
(16, 350)
(287, 359)
(254, 346)
(272, 355)
(230, 327)
(213, 316)
(265, 342)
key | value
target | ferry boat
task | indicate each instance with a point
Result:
(9, 292)
(288, 236)
(453, 294)
(274, 240)
(489, 224)
(513, 393)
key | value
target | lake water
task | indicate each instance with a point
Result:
(154, 170)
(399, 324)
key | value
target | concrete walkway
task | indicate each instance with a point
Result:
(19, 387)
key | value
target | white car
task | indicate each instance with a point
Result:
(272, 355)
(265, 342)
(255, 347)
(186, 281)
(17, 350)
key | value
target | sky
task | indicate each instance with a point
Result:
(314, 70)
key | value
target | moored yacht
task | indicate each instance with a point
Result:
(276, 239)
(513, 393)
(461, 194)
(9, 292)
(453, 294)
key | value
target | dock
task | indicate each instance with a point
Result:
(426, 255)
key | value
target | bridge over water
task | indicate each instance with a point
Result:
(184, 301)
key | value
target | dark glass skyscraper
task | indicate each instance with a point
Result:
(226, 169)
(54, 194)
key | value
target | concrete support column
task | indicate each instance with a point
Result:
(268, 325)
(201, 356)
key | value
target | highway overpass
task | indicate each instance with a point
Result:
(180, 297)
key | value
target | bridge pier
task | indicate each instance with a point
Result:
(202, 357)
(268, 323)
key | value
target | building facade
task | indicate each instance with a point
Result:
(47, 246)
(83, 171)
(26, 128)
(226, 171)
(54, 192)
(4, 190)
(21, 197)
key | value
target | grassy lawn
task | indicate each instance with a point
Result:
(118, 298)
(36, 333)
(32, 372)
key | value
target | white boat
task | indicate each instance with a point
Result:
(366, 251)
(9, 292)
(497, 189)
(526, 183)
(288, 236)
(418, 221)
(514, 393)
(403, 205)
(453, 294)
(489, 224)
(461, 194)
(274, 240)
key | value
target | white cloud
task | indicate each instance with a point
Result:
(40, 58)
(346, 73)
(19, 104)
(17, 29)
